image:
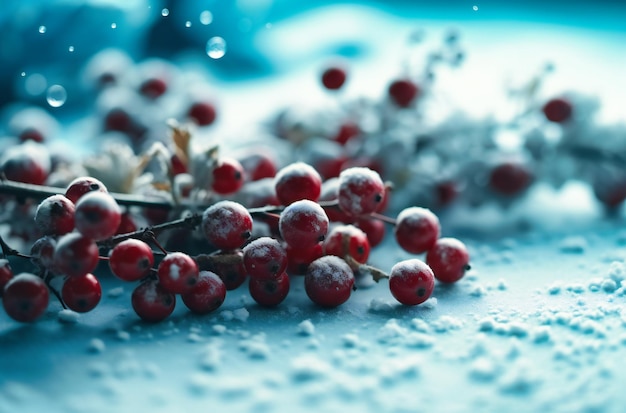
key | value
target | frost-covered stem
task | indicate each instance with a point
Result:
(149, 235)
(376, 273)
(384, 218)
(8, 251)
(41, 192)
(190, 222)
(46, 279)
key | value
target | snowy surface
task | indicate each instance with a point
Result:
(537, 324)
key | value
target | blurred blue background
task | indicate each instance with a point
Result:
(37, 35)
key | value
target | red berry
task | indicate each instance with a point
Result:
(448, 259)
(207, 295)
(32, 134)
(269, 293)
(333, 78)
(177, 273)
(411, 282)
(28, 163)
(127, 224)
(119, 120)
(510, 178)
(227, 224)
(374, 228)
(81, 294)
(202, 113)
(258, 165)
(346, 132)
(303, 224)
(153, 88)
(360, 192)
(228, 265)
(152, 302)
(228, 176)
(417, 229)
(264, 258)
(80, 186)
(297, 181)
(557, 110)
(299, 259)
(131, 260)
(42, 253)
(25, 297)
(55, 215)
(347, 240)
(446, 192)
(75, 255)
(403, 92)
(6, 273)
(328, 281)
(609, 187)
(97, 215)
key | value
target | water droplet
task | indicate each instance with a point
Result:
(114, 25)
(206, 17)
(23, 74)
(165, 12)
(71, 49)
(42, 29)
(187, 23)
(35, 84)
(56, 96)
(216, 47)
(475, 8)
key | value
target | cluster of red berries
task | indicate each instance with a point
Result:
(84, 221)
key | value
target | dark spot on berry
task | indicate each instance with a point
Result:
(82, 303)
(94, 187)
(321, 238)
(237, 175)
(143, 263)
(273, 267)
(25, 306)
(421, 292)
(467, 267)
(191, 281)
(270, 287)
(360, 250)
(91, 215)
(246, 234)
(56, 209)
(167, 300)
(353, 287)
(378, 197)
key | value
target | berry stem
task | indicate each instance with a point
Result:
(384, 218)
(149, 235)
(376, 273)
(47, 277)
(8, 251)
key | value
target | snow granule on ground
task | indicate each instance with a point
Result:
(446, 323)
(115, 292)
(350, 340)
(397, 370)
(68, 316)
(255, 347)
(430, 304)
(211, 356)
(418, 340)
(483, 369)
(309, 367)
(420, 325)
(219, 329)
(573, 245)
(378, 305)
(241, 314)
(227, 315)
(306, 328)
(478, 291)
(122, 335)
(194, 338)
(96, 346)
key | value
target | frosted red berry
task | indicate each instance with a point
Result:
(303, 224)
(448, 259)
(297, 181)
(131, 260)
(333, 78)
(269, 292)
(6, 273)
(557, 110)
(152, 302)
(228, 176)
(347, 131)
(127, 224)
(80, 186)
(202, 113)
(258, 165)
(97, 215)
(227, 224)
(329, 281)
(344, 240)
(42, 253)
(25, 297)
(411, 282)
(299, 259)
(264, 258)
(206, 295)
(75, 255)
(28, 163)
(510, 178)
(361, 191)
(81, 294)
(403, 92)
(228, 265)
(55, 215)
(417, 229)
(177, 272)
(330, 189)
